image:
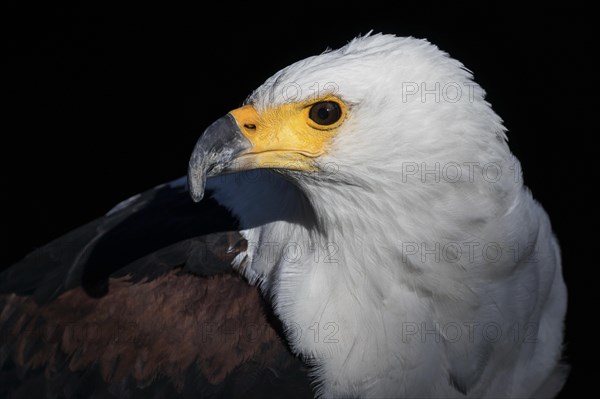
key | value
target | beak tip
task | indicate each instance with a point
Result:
(196, 184)
(196, 196)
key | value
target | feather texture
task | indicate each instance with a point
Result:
(424, 267)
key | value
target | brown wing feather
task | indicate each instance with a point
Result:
(170, 317)
(159, 328)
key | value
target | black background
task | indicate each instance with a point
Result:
(107, 101)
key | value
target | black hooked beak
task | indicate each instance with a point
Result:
(215, 153)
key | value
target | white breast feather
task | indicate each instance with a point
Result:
(336, 252)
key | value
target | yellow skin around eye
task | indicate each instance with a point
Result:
(284, 136)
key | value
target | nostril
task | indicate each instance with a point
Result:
(251, 126)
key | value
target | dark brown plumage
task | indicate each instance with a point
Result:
(142, 303)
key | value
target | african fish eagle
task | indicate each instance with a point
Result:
(377, 209)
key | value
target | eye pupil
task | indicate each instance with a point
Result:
(325, 113)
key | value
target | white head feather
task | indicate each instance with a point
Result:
(375, 261)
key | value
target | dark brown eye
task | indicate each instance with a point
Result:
(325, 113)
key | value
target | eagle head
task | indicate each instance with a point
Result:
(386, 180)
